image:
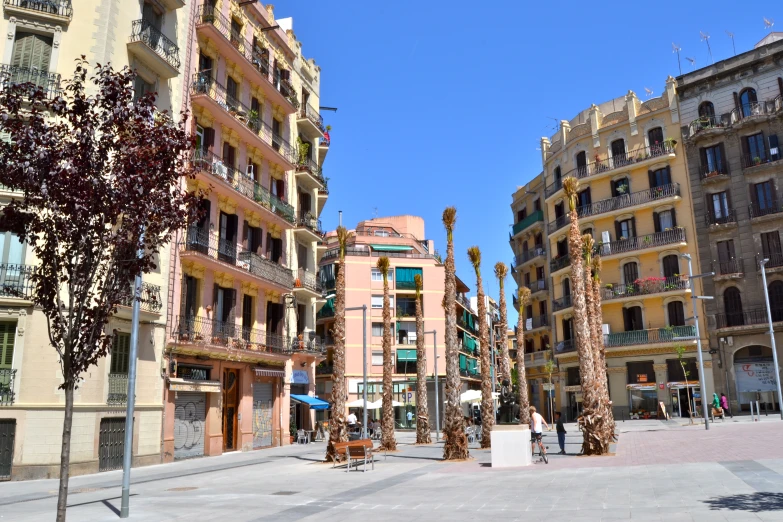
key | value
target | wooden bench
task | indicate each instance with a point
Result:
(355, 452)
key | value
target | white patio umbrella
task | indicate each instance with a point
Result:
(358, 403)
(475, 396)
(377, 405)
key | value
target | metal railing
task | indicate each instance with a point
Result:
(324, 369)
(561, 303)
(653, 335)
(464, 301)
(527, 255)
(538, 321)
(118, 389)
(53, 7)
(759, 159)
(730, 216)
(568, 345)
(750, 109)
(705, 123)
(559, 263)
(775, 260)
(755, 316)
(11, 75)
(203, 84)
(406, 308)
(536, 216)
(307, 279)
(764, 209)
(151, 299)
(667, 237)
(311, 113)
(537, 286)
(717, 169)
(257, 57)
(231, 336)
(645, 286)
(16, 280)
(305, 164)
(7, 386)
(310, 222)
(619, 161)
(144, 31)
(211, 245)
(245, 185)
(618, 202)
(733, 266)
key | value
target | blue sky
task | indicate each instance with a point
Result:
(443, 103)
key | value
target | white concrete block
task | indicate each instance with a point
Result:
(511, 446)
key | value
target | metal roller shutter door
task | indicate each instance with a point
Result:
(189, 420)
(263, 400)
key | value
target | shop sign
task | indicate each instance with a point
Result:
(755, 376)
(548, 387)
(300, 377)
(194, 386)
(641, 377)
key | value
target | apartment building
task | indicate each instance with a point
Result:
(402, 239)
(530, 268)
(241, 347)
(44, 40)
(731, 117)
(634, 200)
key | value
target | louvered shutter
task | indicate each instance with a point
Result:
(651, 178)
(120, 353)
(632, 232)
(723, 165)
(209, 138)
(618, 231)
(7, 335)
(657, 221)
(674, 218)
(736, 101)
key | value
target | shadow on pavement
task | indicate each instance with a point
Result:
(753, 502)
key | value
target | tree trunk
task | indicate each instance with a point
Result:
(487, 386)
(505, 361)
(337, 431)
(599, 354)
(387, 415)
(422, 413)
(524, 401)
(65, 455)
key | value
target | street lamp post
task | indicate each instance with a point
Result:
(363, 308)
(437, 405)
(772, 335)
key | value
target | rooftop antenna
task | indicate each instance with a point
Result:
(676, 49)
(768, 23)
(341, 217)
(693, 62)
(731, 35)
(375, 212)
(706, 38)
(649, 92)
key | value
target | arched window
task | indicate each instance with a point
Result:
(632, 317)
(618, 152)
(581, 163)
(748, 102)
(676, 313)
(732, 306)
(630, 273)
(706, 110)
(558, 174)
(776, 300)
(671, 266)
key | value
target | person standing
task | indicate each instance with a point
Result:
(409, 415)
(561, 432)
(724, 403)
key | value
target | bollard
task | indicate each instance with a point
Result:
(752, 418)
(758, 412)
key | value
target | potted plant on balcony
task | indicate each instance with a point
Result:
(756, 161)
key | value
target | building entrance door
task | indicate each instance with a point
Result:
(230, 406)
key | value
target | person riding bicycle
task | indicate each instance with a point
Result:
(536, 420)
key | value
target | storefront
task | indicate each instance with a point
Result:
(642, 390)
(755, 378)
(191, 393)
(683, 387)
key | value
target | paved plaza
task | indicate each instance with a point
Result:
(661, 471)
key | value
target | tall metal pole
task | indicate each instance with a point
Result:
(128, 451)
(772, 336)
(364, 369)
(694, 298)
(437, 400)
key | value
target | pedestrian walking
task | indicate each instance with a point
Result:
(410, 418)
(724, 402)
(561, 432)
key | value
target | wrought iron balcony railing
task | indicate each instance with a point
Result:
(527, 255)
(118, 389)
(464, 301)
(324, 369)
(53, 7)
(567, 345)
(144, 31)
(211, 245)
(755, 316)
(651, 336)
(538, 321)
(561, 303)
(307, 279)
(17, 75)
(758, 108)
(733, 266)
(718, 168)
(559, 262)
(311, 113)
(667, 237)
(775, 260)
(706, 123)
(7, 386)
(767, 208)
(534, 217)
(619, 161)
(151, 298)
(305, 164)
(645, 286)
(209, 162)
(311, 223)
(537, 286)
(16, 280)
(729, 216)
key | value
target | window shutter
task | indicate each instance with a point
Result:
(41, 53)
(232, 304)
(736, 102)
(209, 138)
(7, 335)
(745, 147)
(614, 189)
(120, 353)
(618, 231)
(215, 289)
(626, 320)
(657, 221)
(723, 165)
(773, 144)
(245, 235)
(633, 227)
(753, 199)
(674, 218)
(651, 178)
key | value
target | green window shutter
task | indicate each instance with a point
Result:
(463, 362)
(32, 50)
(7, 335)
(120, 353)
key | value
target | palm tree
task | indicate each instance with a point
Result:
(588, 421)
(524, 401)
(422, 414)
(587, 254)
(337, 431)
(487, 386)
(456, 444)
(600, 357)
(387, 409)
(501, 271)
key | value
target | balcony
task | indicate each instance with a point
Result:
(307, 283)
(57, 11)
(219, 338)
(156, 51)
(529, 221)
(716, 171)
(118, 389)
(254, 61)
(309, 174)
(528, 255)
(760, 162)
(771, 209)
(309, 122)
(633, 159)
(464, 302)
(16, 281)
(309, 226)
(536, 359)
(7, 386)
(728, 218)
(323, 146)
(617, 203)
(151, 298)
(774, 264)
(17, 75)
(753, 317)
(536, 286)
(732, 269)
(568, 345)
(221, 253)
(324, 369)
(651, 336)
(534, 323)
(657, 240)
(559, 262)
(210, 163)
(755, 111)
(645, 286)
(214, 96)
(562, 303)
(707, 126)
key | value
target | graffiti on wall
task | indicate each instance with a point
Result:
(188, 428)
(262, 423)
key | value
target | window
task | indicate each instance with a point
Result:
(640, 372)
(377, 358)
(236, 32)
(719, 207)
(562, 248)
(568, 329)
(247, 316)
(141, 88)
(377, 329)
(754, 150)
(559, 209)
(189, 296)
(660, 177)
(251, 238)
(537, 204)
(625, 229)
(542, 308)
(706, 110)
(406, 277)
(229, 157)
(31, 51)
(588, 230)
(529, 312)
(377, 301)
(664, 220)
(726, 262)
(581, 163)
(566, 286)
(529, 347)
(558, 175)
(676, 313)
(120, 353)
(406, 362)
(776, 300)
(671, 266)
(406, 332)
(583, 198)
(712, 161)
(11, 249)
(620, 186)
(630, 272)
(227, 250)
(274, 248)
(675, 371)
(770, 247)
(618, 152)
(632, 318)
(763, 197)
(748, 103)
(377, 275)
(406, 306)
(572, 376)
(732, 305)
(655, 137)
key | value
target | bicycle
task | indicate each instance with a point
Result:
(536, 438)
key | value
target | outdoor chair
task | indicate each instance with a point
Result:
(470, 432)
(301, 437)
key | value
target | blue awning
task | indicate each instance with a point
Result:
(314, 402)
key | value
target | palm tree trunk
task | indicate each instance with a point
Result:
(487, 386)
(387, 415)
(524, 401)
(505, 362)
(603, 402)
(337, 431)
(422, 413)
(65, 455)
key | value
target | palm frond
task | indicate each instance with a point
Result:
(474, 254)
(449, 220)
(417, 281)
(571, 187)
(524, 297)
(383, 266)
(597, 268)
(342, 238)
(587, 248)
(501, 271)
